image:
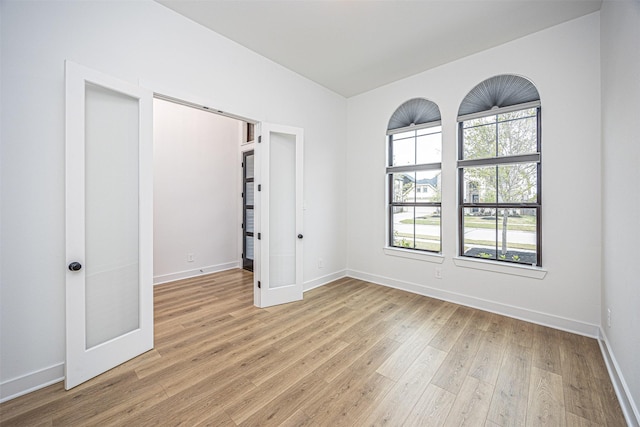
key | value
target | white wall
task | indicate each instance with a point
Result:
(563, 63)
(135, 41)
(620, 195)
(196, 188)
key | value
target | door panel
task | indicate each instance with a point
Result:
(279, 171)
(248, 209)
(109, 294)
(282, 210)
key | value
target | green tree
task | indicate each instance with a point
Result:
(502, 135)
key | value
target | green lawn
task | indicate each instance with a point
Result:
(431, 244)
(521, 223)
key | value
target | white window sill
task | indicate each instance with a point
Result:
(499, 267)
(418, 255)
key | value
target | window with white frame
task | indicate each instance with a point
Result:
(499, 172)
(414, 164)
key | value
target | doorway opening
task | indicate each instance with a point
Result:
(198, 190)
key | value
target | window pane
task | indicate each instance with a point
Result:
(249, 198)
(479, 141)
(530, 112)
(479, 122)
(428, 186)
(249, 224)
(403, 227)
(479, 228)
(480, 184)
(403, 151)
(517, 136)
(518, 183)
(404, 187)
(249, 166)
(427, 226)
(429, 148)
(517, 240)
(404, 135)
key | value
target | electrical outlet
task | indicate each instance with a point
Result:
(320, 263)
(608, 317)
(438, 273)
(190, 258)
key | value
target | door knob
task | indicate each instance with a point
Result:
(75, 266)
(300, 236)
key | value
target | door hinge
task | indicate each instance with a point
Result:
(242, 226)
(242, 164)
(259, 236)
(242, 195)
(259, 187)
(242, 255)
(259, 284)
(259, 138)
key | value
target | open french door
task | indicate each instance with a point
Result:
(279, 212)
(109, 228)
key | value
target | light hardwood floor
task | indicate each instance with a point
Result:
(352, 353)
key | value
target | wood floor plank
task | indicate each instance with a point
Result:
(299, 419)
(322, 407)
(397, 364)
(393, 409)
(452, 329)
(578, 381)
(546, 399)
(546, 350)
(456, 365)
(350, 353)
(488, 360)
(511, 394)
(431, 409)
(284, 405)
(245, 405)
(471, 405)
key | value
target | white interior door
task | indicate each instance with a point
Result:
(109, 229)
(279, 210)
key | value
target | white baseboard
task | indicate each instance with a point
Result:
(164, 278)
(32, 381)
(629, 407)
(320, 281)
(543, 319)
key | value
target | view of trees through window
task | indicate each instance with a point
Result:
(500, 187)
(414, 185)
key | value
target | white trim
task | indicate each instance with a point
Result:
(501, 110)
(629, 407)
(544, 319)
(165, 278)
(413, 254)
(32, 381)
(415, 127)
(323, 280)
(178, 96)
(501, 267)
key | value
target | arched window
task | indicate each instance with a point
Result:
(499, 171)
(414, 166)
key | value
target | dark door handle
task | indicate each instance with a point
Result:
(75, 266)
(300, 236)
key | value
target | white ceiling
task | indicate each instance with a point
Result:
(352, 46)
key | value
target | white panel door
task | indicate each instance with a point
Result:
(278, 215)
(109, 229)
